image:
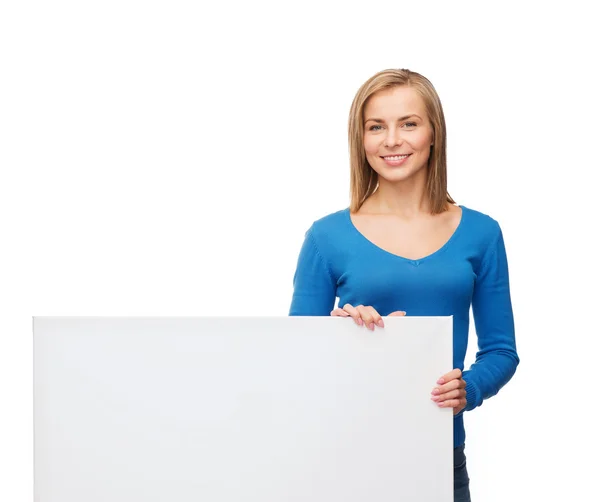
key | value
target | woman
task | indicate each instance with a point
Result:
(404, 247)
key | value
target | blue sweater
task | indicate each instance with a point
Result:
(471, 269)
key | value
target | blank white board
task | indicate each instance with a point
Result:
(288, 409)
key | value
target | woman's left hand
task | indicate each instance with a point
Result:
(450, 391)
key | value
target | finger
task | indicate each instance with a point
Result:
(447, 387)
(377, 320)
(398, 313)
(339, 313)
(367, 316)
(453, 403)
(452, 375)
(453, 394)
(354, 313)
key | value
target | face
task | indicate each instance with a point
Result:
(398, 135)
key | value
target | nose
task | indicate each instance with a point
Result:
(392, 138)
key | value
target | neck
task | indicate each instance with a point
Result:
(406, 199)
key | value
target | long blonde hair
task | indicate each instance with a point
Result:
(363, 179)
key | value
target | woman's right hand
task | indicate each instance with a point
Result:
(364, 315)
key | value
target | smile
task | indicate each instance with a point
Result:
(395, 157)
(395, 160)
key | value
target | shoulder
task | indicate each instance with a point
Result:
(481, 224)
(331, 224)
(331, 234)
(484, 235)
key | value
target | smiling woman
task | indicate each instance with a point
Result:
(393, 139)
(404, 247)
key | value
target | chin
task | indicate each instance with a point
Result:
(396, 176)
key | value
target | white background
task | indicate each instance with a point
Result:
(166, 158)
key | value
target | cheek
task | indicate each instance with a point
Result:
(424, 141)
(371, 146)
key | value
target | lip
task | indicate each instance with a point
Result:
(396, 163)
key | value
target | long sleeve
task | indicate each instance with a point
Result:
(496, 359)
(314, 286)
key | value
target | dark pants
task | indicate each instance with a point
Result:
(461, 477)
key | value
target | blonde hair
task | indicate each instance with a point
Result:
(363, 179)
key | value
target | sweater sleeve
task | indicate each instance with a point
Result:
(314, 286)
(496, 359)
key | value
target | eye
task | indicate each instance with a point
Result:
(375, 128)
(410, 124)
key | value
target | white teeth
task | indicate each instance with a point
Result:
(396, 157)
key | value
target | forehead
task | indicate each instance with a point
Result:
(397, 101)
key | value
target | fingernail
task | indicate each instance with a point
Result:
(435, 391)
(372, 327)
(440, 381)
(435, 398)
(360, 321)
(380, 323)
(403, 313)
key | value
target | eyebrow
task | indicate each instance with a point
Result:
(380, 121)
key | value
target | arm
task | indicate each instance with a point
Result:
(314, 285)
(496, 360)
